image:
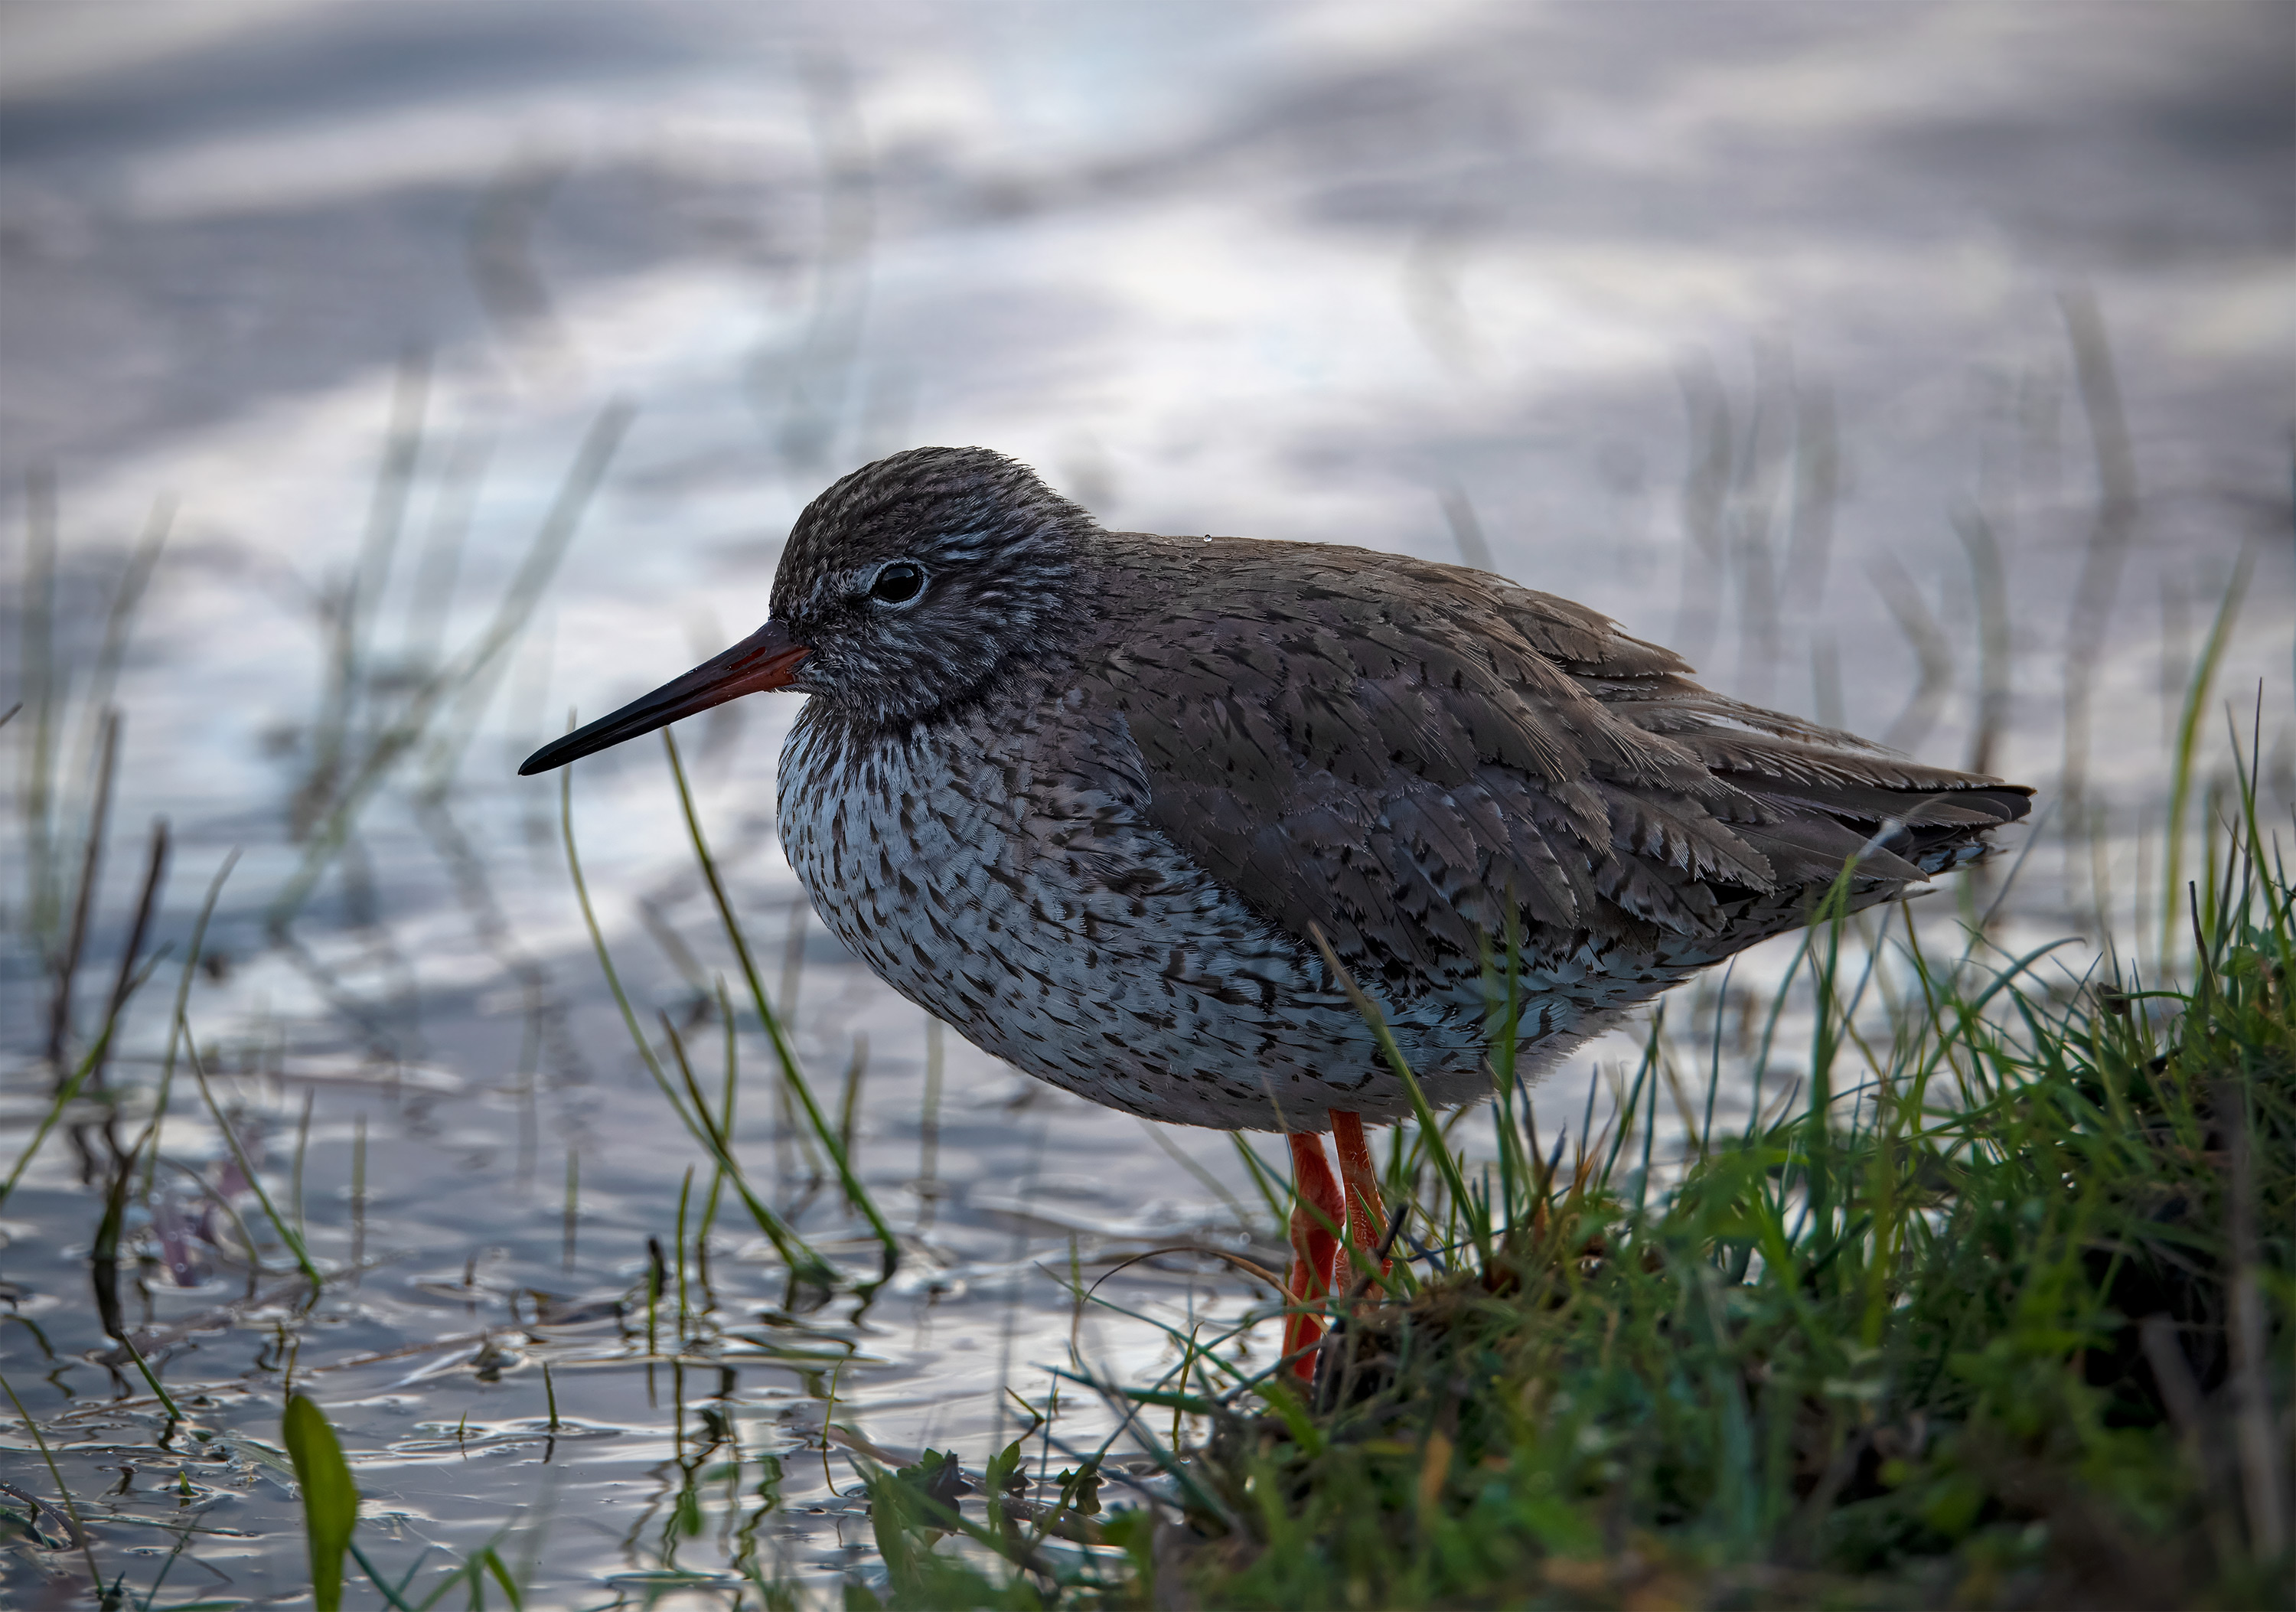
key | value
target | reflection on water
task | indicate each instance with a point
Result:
(1925, 371)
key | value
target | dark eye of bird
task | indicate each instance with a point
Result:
(897, 583)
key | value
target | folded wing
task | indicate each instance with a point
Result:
(1407, 756)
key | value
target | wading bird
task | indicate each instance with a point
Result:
(1133, 812)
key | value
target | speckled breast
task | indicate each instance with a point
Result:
(997, 869)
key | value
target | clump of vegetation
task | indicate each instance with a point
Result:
(1996, 1312)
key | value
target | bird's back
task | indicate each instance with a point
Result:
(1410, 756)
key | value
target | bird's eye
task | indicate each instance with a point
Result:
(897, 583)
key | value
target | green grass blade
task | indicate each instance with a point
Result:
(1272, 1191)
(468, 681)
(159, 1120)
(56, 1106)
(167, 1401)
(823, 1131)
(330, 1500)
(287, 1233)
(1464, 1202)
(804, 1263)
(2188, 730)
(393, 1597)
(71, 1507)
(491, 1560)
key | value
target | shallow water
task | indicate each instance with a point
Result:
(1748, 326)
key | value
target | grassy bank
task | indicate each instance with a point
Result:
(1993, 1311)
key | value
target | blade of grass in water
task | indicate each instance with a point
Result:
(71, 1508)
(1180, 1156)
(732, 1077)
(56, 1106)
(330, 1500)
(477, 670)
(99, 822)
(150, 1378)
(153, 1126)
(41, 679)
(929, 1123)
(118, 622)
(685, 1300)
(848, 1101)
(287, 1233)
(805, 1266)
(348, 612)
(468, 679)
(128, 981)
(823, 1131)
(571, 1216)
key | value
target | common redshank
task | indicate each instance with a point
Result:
(1110, 804)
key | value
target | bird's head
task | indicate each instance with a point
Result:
(905, 588)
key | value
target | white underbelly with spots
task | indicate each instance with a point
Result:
(1044, 919)
(1040, 918)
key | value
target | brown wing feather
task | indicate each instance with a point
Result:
(1402, 754)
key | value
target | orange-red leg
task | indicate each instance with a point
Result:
(1318, 1206)
(1366, 1214)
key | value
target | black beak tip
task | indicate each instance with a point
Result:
(541, 760)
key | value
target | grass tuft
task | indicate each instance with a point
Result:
(2007, 1323)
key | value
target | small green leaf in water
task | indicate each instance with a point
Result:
(1085, 1497)
(329, 1497)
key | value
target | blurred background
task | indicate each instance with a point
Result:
(1721, 318)
(381, 383)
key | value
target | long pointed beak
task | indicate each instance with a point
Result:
(765, 660)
